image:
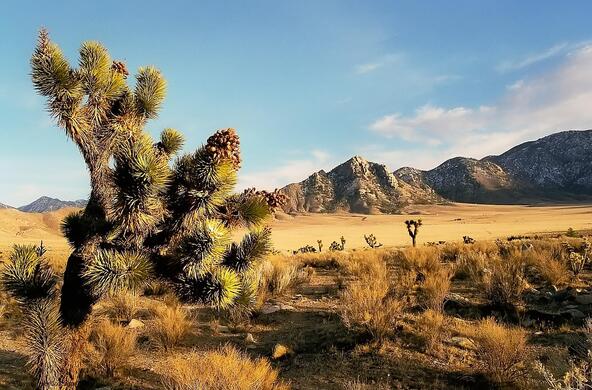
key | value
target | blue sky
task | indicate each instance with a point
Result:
(308, 84)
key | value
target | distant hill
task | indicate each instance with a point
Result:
(45, 204)
(357, 186)
(4, 206)
(554, 168)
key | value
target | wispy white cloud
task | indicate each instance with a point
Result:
(374, 65)
(290, 171)
(557, 100)
(532, 58)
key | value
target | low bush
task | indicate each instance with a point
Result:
(502, 351)
(112, 346)
(431, 325)
(433, 291)
(171, 324)
(368, 305)
(504, 283)
(122, 307)
(222, 369)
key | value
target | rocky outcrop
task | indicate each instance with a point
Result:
(356, 186)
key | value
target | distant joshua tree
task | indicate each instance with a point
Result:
(372, 241)
(468, 240)
(413, 229)
(336, 246)
(146, 217)
(320, 245)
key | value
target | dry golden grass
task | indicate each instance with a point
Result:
(122, 307)
(471, 265)
(504, 283)
(502, 350)
(368, 305)
(359, 385)
(223, 369)
(431, 325)
(171, 324)
(112, 345)
(433, 291)
(279, 275)
(424, 259)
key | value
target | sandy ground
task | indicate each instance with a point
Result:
(441, 222)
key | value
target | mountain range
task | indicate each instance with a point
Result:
(46, 204)
(557, 167)
(554, 168)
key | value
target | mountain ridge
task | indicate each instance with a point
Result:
(554, 167)
(47, 204)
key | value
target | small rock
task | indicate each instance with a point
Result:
(538, 333)
(133, 324)
(584, 299)
(249, 339)
(286, 307)
(462, 342)
(268, 309)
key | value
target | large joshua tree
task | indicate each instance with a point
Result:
(147, 217)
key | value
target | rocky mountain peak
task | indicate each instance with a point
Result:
(45, 203)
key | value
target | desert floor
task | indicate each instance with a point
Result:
(441, 222)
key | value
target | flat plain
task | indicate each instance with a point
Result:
(441, 223)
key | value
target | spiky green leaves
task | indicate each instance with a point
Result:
(203, 247)
(140, 176)
(26, 276)
(219, 288)
(244, 210)
(102, 83)
(171, 141)
(254, 246)
(200, 184)
(150, 91)
(44, 337)
(111, 271)
(51, 72)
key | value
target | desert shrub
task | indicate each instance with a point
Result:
(433, 291)
(171, 324)
(471, 265)
(571, 233)
(368, 305)
(576, 262)
(369, 263)
(222, 369)
(279, 275)
(122, 307)
(431, 325)
(112, 346)
(553, 271)
(502, 351)
(156, 288)
(425, 260)
(576, 378)
(504, 282)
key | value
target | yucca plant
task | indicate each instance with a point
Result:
(413, 229)
(147, 216)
